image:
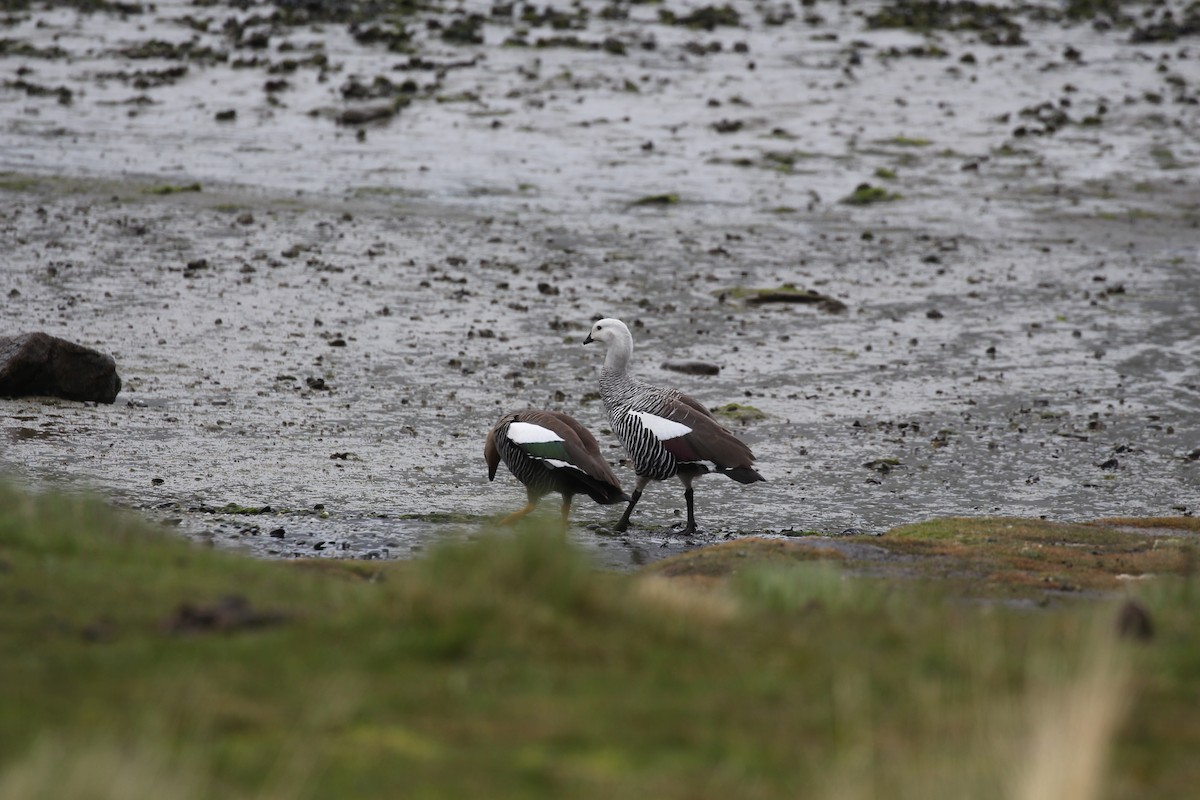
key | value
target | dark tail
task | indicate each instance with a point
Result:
(742, 474)
(602, 492)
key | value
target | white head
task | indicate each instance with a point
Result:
(609, 330)
(616, 337)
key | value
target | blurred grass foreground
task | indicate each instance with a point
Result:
(136, 665)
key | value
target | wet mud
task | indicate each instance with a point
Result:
(330, 244)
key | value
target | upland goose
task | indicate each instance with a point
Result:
(550, 452)
(666, 433)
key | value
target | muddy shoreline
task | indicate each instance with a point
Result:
(324, 323)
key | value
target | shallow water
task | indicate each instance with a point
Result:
(1022, 315)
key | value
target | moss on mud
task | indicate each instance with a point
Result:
(739, 412)
(865, 194)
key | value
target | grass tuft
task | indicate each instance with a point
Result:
(508, 666)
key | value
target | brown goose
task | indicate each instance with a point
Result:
(550, 452)
(666, 433)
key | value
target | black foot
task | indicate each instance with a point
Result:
(621, 526)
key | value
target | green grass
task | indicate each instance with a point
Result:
(510, 667)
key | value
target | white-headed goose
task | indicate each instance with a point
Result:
(666, 433)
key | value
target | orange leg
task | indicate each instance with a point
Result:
(516, 515)
(566, 511)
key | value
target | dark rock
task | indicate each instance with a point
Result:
(692, 367)
(790, 295)
(371, 112)
(40, 364)
(882, 465)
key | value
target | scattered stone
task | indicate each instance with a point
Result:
(373, 112)
(791, 294)
(34, 364)
(692, 367)
(882, 465)
(1110, 464)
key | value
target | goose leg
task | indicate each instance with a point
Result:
(516, 515)
(633, 501)
(689, 498)
(689, 495)
(566, 511)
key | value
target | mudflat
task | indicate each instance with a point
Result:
(329, 245)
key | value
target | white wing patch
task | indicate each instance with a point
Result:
(556, 464)
(528, 433)
(661, 427)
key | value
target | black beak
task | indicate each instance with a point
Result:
(589, 339)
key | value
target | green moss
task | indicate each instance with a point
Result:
(786, 159)
(173, 189)
(1164, 157)
(739, 412)
(13, 182)
(1023, 556)
(884, 173)
(665, 199)
(729, 558)
(994, 24)
(908, 141)
(706, 17)
(866, 194)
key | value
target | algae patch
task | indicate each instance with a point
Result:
(865, 194)
(787, 293)
(739, 412)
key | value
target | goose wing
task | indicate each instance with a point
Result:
(690, 433)
(581, 447)
(561, 443)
